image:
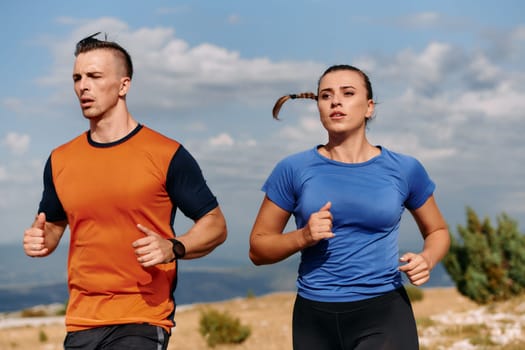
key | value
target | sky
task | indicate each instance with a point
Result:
(448, 78)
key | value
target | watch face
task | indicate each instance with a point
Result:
(178, 249)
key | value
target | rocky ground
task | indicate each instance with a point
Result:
(446, 320)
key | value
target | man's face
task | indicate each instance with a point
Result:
(99, 82)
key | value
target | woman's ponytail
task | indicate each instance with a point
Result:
(282, 100)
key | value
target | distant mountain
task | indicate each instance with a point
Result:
(25, 282)
(20, 298)
(212, 284)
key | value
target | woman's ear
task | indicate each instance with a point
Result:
(370, 111)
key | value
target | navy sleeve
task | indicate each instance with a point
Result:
(186, 186)
(50, 203)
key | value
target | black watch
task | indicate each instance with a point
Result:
(179, 250)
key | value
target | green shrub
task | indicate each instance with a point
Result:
(33, 313)
(414, 293)
(487, 264)
(425, 322)
(62, 310)
(221, 328)
(42, 336)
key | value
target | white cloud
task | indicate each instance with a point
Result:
(519, 33)
(172, 73)
(428, 67)
(423, 19)
(304, 132)
(196, 126)
(424, 71)
(16, 143)
(222, 140)
(504, 103)
(507, 45)
(482, 71)
(411, 144)
(21, 172)
(250, 143)
(13, 104)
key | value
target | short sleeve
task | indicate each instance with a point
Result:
(50, 203)
(279, 187)
(187, 187)
(420, 186)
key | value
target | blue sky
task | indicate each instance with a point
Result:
(449, 78)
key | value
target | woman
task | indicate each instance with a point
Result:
(347, 197)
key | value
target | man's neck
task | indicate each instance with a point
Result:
(106, 130)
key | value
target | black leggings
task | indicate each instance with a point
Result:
(119, 337)
(385, 322)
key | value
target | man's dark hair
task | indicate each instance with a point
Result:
(91, 43)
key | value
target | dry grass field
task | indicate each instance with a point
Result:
(446, 320)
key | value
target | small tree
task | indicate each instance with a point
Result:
(221, 328)
(42, 336)
(414, 293)
(487, 264)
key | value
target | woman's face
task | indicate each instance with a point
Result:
(343, 102)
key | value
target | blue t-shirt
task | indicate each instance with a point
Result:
(368, 200)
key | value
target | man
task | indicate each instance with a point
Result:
(118, 186)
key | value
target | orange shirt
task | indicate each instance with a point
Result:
(105, 191)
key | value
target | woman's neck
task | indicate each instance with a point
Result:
(350, 151)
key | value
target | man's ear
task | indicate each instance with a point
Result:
(125, 83)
